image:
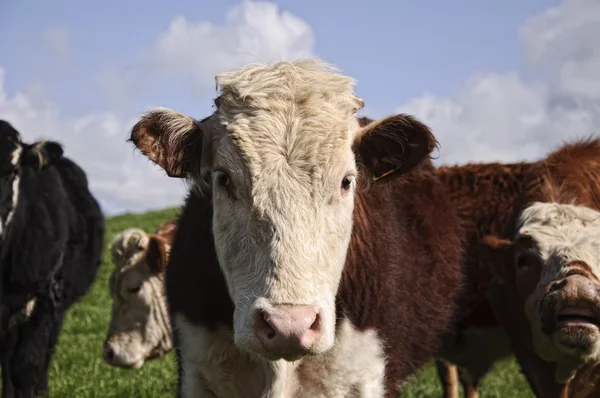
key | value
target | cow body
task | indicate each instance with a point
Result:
(395, 298)
(51, 242)
(489, 199)
(139, 327)
(310, 286)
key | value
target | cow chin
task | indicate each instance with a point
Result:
(284, 331)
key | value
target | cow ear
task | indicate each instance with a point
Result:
(167, 228)
(499, 255)
(170, 139)
(395, 144)
(41, 154)
(364, 121)
(157, 254)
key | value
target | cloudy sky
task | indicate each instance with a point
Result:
(497, 81)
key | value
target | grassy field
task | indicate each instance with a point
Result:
(78, 370)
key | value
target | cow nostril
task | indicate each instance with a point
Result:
(109, 354)
(265, 327)
(557, 286)
(316, 325)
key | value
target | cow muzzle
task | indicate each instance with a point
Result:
(288, 331)
(570, 314)
(113, 356)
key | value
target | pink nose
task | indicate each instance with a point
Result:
(288, 330)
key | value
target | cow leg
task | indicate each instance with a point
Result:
(7, 348)
(470, 383)
(42, 386)
(29, 363)
(448, 375)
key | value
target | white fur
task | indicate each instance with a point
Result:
(563, 233)
(284, 136)
(214, 367)
(14, 159)
(24, 314)
(139, 326)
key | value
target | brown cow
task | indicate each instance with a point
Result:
(139, 328)
(319, 289)
(489, 199)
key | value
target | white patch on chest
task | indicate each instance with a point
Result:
(214, 367)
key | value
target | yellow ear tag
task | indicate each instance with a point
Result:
(385, 174)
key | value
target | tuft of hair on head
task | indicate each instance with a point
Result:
(253, 85)
(126, 240)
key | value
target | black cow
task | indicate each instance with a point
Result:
(51, 239)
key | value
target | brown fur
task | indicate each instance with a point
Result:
(489, 198)
(401, 276)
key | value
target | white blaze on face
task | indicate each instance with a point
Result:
(282, 219)
(564, 237)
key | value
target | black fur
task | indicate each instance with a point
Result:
(50, 251)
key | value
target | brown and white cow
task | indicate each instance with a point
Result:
(320, 288)
(547, 294)
(139, 327)
(489, 198)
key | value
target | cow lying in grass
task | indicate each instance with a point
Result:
(51, 238)
(139, 327)
(546, 293)
(320, 288)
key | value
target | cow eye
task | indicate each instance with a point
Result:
(347, 183)
(523, 261)
(223, 180)
(134, 290)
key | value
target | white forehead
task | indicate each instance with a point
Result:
(570, 232)
(289, 118)
(125, 247)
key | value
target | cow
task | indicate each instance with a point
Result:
(489, 197)
(313, 258)
(51, 239)
(139, 327)
(545, 290)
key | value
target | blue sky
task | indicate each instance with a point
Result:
(500, 80)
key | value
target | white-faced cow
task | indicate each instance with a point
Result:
(51, 238)
(139, 327)
(320, 289)
(548, 295)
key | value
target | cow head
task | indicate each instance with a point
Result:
(280, 156)
(139, 328)
(15, 157)
(551, 272)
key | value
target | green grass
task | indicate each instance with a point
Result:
(77, 369)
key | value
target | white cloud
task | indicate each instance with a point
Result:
(121, 178)
(192, 52)
(506, 117)
(97, 143)
(253, 32)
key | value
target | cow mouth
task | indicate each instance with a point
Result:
(577, 317)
